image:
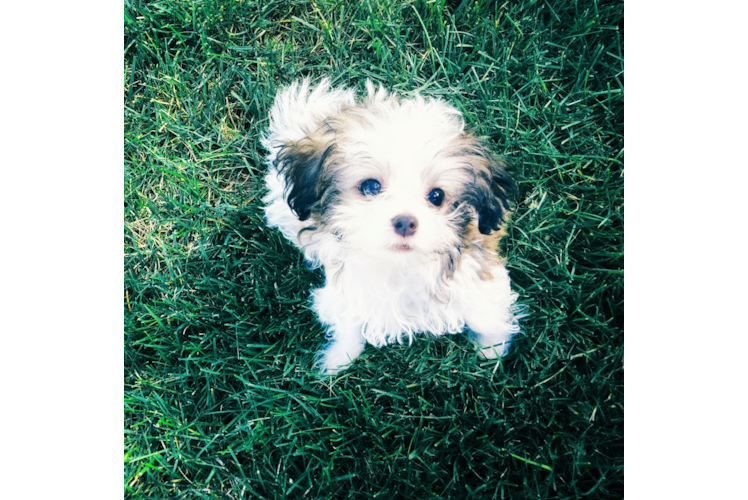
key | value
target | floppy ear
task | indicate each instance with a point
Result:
(300, 140)
(491, 190)
(303, 165)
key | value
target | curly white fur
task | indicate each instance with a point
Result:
(382, 286)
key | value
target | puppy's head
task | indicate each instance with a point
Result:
(388, 177)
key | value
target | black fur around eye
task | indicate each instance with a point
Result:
(436, 197)
(370, 187)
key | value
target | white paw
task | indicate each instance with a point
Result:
(493, 351)
(335, 357)
(491, 346)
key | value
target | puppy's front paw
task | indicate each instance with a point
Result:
(336, 357)
(493, 351)
(490, 346)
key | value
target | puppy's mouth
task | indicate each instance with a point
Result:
(401, 247)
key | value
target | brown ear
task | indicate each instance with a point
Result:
(490, 191)
(304, 107)
(303, 165)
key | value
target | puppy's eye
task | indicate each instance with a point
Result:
(370, 187)
(436, 197)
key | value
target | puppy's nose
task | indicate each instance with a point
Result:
(405, 225)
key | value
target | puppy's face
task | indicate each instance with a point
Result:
(395, 180)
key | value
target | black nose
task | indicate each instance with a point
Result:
(405, 225)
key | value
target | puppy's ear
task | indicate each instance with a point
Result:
(301, 109)
(300, 139)
(303, 165)
(490, 192)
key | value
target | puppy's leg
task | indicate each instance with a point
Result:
(489, 312)
(344, 345)
(345, 340)
(493, 344)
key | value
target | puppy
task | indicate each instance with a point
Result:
(403, 210)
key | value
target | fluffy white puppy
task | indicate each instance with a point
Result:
(401, 207)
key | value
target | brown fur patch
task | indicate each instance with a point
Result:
(485, 247)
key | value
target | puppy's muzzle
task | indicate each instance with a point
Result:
(405, 225)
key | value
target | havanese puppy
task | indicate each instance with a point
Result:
(401, 207)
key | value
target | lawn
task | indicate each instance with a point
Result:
(220, 397)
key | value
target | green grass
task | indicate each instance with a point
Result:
(220, 399)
